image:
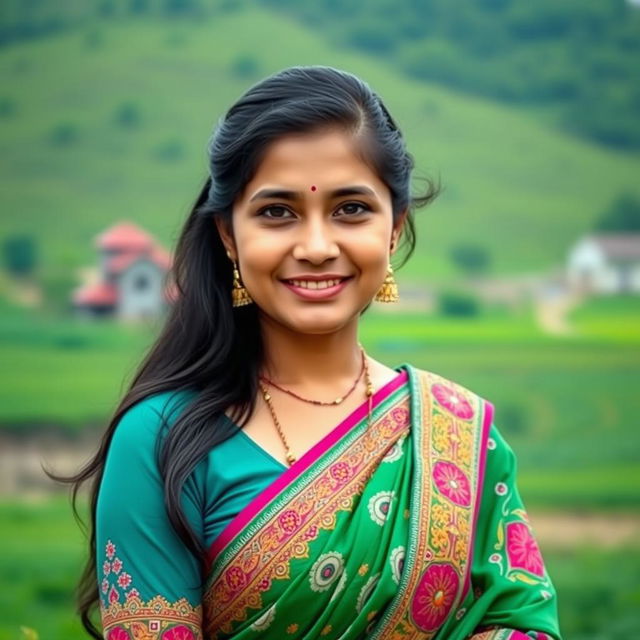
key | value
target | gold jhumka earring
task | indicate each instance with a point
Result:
(388, 292)
(239, 295)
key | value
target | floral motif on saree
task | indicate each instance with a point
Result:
(123, 618)
(260, 560)
(517, 553)
(364, 484)
(451, 427)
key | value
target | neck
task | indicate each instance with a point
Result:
(316, 363)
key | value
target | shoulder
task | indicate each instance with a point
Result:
(451, 395)
(143, 421)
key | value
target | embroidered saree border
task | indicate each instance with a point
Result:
(450, 430)
(155, 619)
(307, 506)
(235, 527)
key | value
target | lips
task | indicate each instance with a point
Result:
(318, 293)
(314, 284)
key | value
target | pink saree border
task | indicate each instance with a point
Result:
(487, 421)
(238, 523)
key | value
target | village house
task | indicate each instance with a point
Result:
(605, 263)
(130, 280)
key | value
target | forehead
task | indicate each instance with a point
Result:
(326, 159)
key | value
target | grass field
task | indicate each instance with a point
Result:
(566, 405)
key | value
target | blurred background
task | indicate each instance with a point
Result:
(525, 285)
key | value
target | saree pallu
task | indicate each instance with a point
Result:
(410, 528)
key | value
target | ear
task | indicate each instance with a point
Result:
(226, 235)
(398, 225)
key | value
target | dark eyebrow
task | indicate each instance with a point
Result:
(283, 194)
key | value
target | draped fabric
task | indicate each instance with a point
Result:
(409, 528)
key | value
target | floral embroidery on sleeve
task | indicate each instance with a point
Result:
(517, 554)
(126, 617)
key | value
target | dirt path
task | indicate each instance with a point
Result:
(22, 478)
(558, 530)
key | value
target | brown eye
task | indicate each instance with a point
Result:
(278, 211)
(352, 209)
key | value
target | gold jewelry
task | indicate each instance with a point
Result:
(239, 295)
(338, 400)
(388, 292)
(267, 397)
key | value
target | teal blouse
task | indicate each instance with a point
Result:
(139, 554)
(130, 513)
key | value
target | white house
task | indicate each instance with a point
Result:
(605, 263)
(131, 276)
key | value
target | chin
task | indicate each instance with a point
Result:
(319, 325)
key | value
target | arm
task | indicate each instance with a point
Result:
(514, 598)
(149, 583)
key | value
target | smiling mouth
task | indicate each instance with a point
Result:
(317, 284)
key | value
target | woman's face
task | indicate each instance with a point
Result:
(312, 233)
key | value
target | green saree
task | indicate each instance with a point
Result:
(411, 528)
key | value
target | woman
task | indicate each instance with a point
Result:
(264, 476)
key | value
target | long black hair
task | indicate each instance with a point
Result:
(206, 344)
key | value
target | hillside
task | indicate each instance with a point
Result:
(111, 121)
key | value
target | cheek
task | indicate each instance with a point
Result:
(371, 251)
(259, 252)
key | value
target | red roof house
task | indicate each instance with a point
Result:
(132, 276)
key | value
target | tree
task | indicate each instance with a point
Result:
(458, 303)
(623, 215)
(128, 115)
(471, 258)
(245, 66)
(19, 254)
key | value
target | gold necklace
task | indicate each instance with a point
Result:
(338, 400)
(267, 397)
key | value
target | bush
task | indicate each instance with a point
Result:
(19, 254)
(127, 115)
(458, 303)
(513, 419)
(470, 258)
(7, 107)
(245, 66)
(623, 215)
(64, 134)
(93, 39)
(169, 151)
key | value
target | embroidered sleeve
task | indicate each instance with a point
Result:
(149, 583)
(511, 586)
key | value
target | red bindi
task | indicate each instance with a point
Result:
(313, 187)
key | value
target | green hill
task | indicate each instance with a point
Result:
(111, 121)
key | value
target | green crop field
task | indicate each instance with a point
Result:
(566, 404)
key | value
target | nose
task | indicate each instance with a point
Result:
(316, 242)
